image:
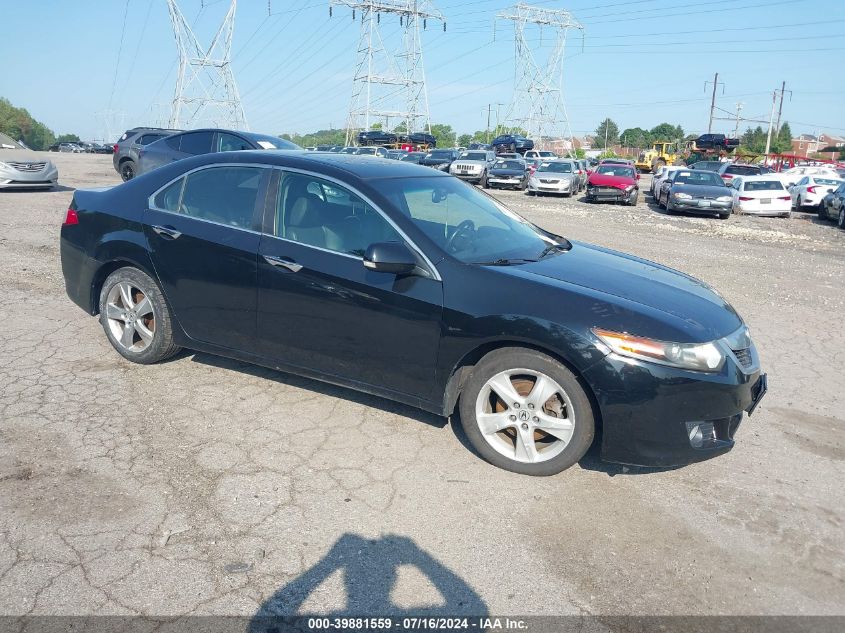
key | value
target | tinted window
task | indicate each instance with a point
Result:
(481, 156)
(271, 142)
(763, 185)
(225, 195)
(168, 199)
(146, 139)
(745, 170)
(196, 143)
(558, 168)
(320, 213)
(826, 181)
(509, 164)
(698, 177)
(231, 143)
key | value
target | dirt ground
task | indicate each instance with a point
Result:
(207, 486)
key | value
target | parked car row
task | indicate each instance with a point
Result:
(81, 147)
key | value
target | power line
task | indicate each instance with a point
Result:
(119, 52)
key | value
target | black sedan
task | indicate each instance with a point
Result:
(179, 146)
(440, 159)
(410, 284)
(696, 191)
(511, 173)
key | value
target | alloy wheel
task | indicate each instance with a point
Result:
(130, 317)
(525, 415)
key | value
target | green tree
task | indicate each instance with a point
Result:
(67, 138)
(19, 124)
(635, 137)
(753, 141)
(784, 139)
(444, 134)
(465, 139)
(666, 132)
(320, 137)
(607, 134)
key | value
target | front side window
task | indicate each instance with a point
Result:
(225, 195)
(320, 213)
(464, 222)
(231, 143)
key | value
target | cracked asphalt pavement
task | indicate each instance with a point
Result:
(208, 486)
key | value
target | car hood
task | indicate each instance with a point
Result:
(560, 175)
(501, 171)
(698, 191)
(705, 314)
(603, 180)
(20, 156)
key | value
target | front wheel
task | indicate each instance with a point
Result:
(135, 317)
(841, 221)
(483, 182)
(525, 412)
(724, 216)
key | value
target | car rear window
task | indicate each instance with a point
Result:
(743, 170)
(827, 181)
(763, 185)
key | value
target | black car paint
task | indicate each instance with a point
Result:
(413, 338)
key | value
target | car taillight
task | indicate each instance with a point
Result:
(745, 199)
(811, 189)
(784, 197)
(115, 148)
(71, 217)
(727, 176)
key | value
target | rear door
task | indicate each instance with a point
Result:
(202, 231)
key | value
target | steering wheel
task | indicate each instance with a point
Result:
(463, 230)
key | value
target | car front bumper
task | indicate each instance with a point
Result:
(14, 179)
(609, 194)
(469, 177)
(647, 410)
(566, 186)
(505, 181)
(701, 206)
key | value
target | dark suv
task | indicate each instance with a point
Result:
(507, 143)
(376, 137)
(716, 141)
(125, 158)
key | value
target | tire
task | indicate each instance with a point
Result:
(724, 216)
(841, 220)
(483, 181)
(541, 453)
(633, 201)
(530, 193)
(127, 170)
(523, 186)
(148, 327)
(823, 212)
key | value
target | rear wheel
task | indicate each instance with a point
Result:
(525, 412)
(127, 170)
(724, 216)
(135, 317)
(841, 221)
(483, 182)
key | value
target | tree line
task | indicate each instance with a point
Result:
(20, 125)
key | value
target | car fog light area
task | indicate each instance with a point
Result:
(701, 433)
(695, 356)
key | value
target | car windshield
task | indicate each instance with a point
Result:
(265, 141)
(558, 168)
(441, 154)
(763, 185)
(743, 170)
(466, 223)
(698, 178)
(615, 170)
(473, 156)
(509, 164)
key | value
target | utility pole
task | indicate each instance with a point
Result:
(489, 112)
(736, 127)
(780, 107)
(771, 121)
(389, 82)
(205, 84)
(538, 103)
(713, 100)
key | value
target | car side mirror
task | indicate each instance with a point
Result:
(390, 257)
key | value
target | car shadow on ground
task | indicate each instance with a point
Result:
(55, 189)
(371, 571)
(317, 386)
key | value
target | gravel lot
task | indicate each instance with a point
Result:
(207, 486)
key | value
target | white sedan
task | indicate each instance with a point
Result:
(760, 195)
(809, 191)
(791, 176)
(659, 176)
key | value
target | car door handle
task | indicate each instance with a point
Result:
(284, 262)
(167, 232)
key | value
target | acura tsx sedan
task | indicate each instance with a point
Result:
(407, 283)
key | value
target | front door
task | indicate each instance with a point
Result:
(320, 309)
(204, 243)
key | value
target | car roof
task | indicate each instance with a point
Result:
(332, 164)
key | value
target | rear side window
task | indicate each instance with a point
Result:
(168, 199)
(196, 143)
(225, 195)
(231, 143)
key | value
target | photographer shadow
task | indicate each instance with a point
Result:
(370, 569)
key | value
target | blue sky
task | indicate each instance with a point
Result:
(642, 61)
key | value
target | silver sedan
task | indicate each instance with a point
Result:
(23, 169)
(559, 176)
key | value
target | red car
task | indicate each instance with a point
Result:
(613, 182)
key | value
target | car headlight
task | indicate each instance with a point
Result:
(629, 188)
(682, 196)
(694, 356)
(724, 199)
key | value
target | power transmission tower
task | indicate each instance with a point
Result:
(538, 104)
(389, 83)
(206, 92)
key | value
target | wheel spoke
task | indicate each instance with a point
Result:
(128, 336)
(126, 295)
(543, 389)
(561, 428)
(144, 307)
(503, 387)
(145, 333)
(526, 450)
(113, 312)
(493, 422)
